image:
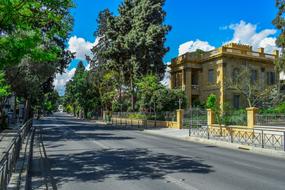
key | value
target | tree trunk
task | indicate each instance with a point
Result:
(74, 111)
(120, 99)
(85, 113)
(132, 96)
(15, 108)
(26, 110)
(1, 116)
(278, 89)
(38, 114)
(249, 102)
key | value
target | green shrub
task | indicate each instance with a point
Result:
(236, 117)
(211, 102)
(137, 116)
(280, 108)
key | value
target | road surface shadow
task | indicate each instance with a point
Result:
(121, 164)
(79, 133)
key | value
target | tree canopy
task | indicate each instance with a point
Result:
(33, 37)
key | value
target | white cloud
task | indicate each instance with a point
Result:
(87, 67)
(81, 47)
(246, 33)
(192, 46)
(61, 80)
(166, 79)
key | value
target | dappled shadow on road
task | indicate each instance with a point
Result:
(101, 164)
(79, 133)
(108, 127)
(122, 164)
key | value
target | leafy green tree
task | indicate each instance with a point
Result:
(154, 97)
(51, 101)
(81, 92)
(4, 87)
(35, 28)
(168, 99)
(146, 88)
(212, 103)
(4, 93)
(69, 98)
(254, 92)
(279, 23)
(108, 89)
(32, 45)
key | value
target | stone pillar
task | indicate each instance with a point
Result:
(183, 79)
(210, 118)
(251, 116)
(179, 118)
(107, 115)
(276, 54)
(220, 82)
(261, 52)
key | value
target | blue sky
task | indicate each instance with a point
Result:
(195, 24)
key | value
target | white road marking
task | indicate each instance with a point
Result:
(101, 145)
(180, 183)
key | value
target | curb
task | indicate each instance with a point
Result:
(240, 147)
(232, 146)
(221, 144)
(20, 177)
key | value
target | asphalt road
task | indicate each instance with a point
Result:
(84, 156)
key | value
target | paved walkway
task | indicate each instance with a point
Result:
(6, 138)
(169, 132)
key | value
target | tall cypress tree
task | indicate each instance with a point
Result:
(148, 35)
(132, 43)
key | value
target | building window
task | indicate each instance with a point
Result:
(253, 76)
(178, 80)
(236, 101)
(195, 78)
(211, 76)
(270, 78)
(262, 69)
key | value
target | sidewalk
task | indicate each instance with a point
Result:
(6, 138)
(183, 134)
(169, 132)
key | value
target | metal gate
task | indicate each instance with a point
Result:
(195, 118)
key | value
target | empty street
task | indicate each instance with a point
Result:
(83, 155)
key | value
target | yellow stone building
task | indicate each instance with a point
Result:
(200, 74)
